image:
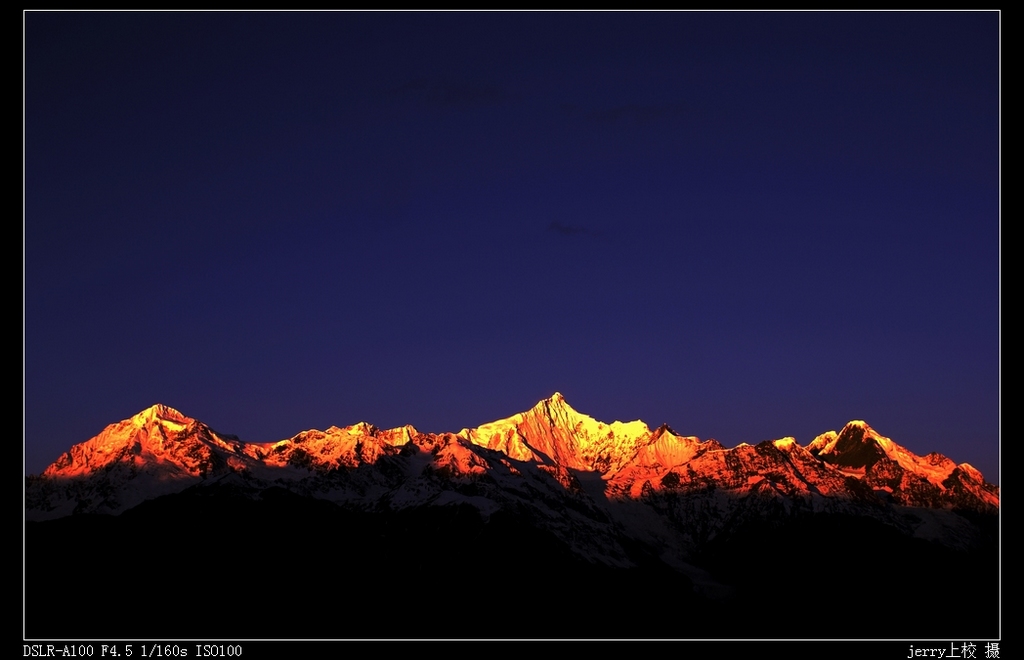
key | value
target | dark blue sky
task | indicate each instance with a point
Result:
(747, 225)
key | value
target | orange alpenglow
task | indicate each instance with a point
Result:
(161, 451)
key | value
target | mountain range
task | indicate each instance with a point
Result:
(618, 505)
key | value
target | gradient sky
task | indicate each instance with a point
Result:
(746, 225)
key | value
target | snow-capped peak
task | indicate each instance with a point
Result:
(552, 431)
(158, 413)
(785, 443)
(165, 450)
(861, 449)
(160, 441)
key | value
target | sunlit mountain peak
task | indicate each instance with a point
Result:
(160, 450)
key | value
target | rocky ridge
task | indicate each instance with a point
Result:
(590, 483)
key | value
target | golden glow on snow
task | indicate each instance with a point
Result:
(552, 437)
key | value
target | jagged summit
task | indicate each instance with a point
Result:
(856, 446)
(553, 432)
(665, 428)
(616, 495)
(159, 441)
(162, 450)
(159, 411)
(553, 408)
